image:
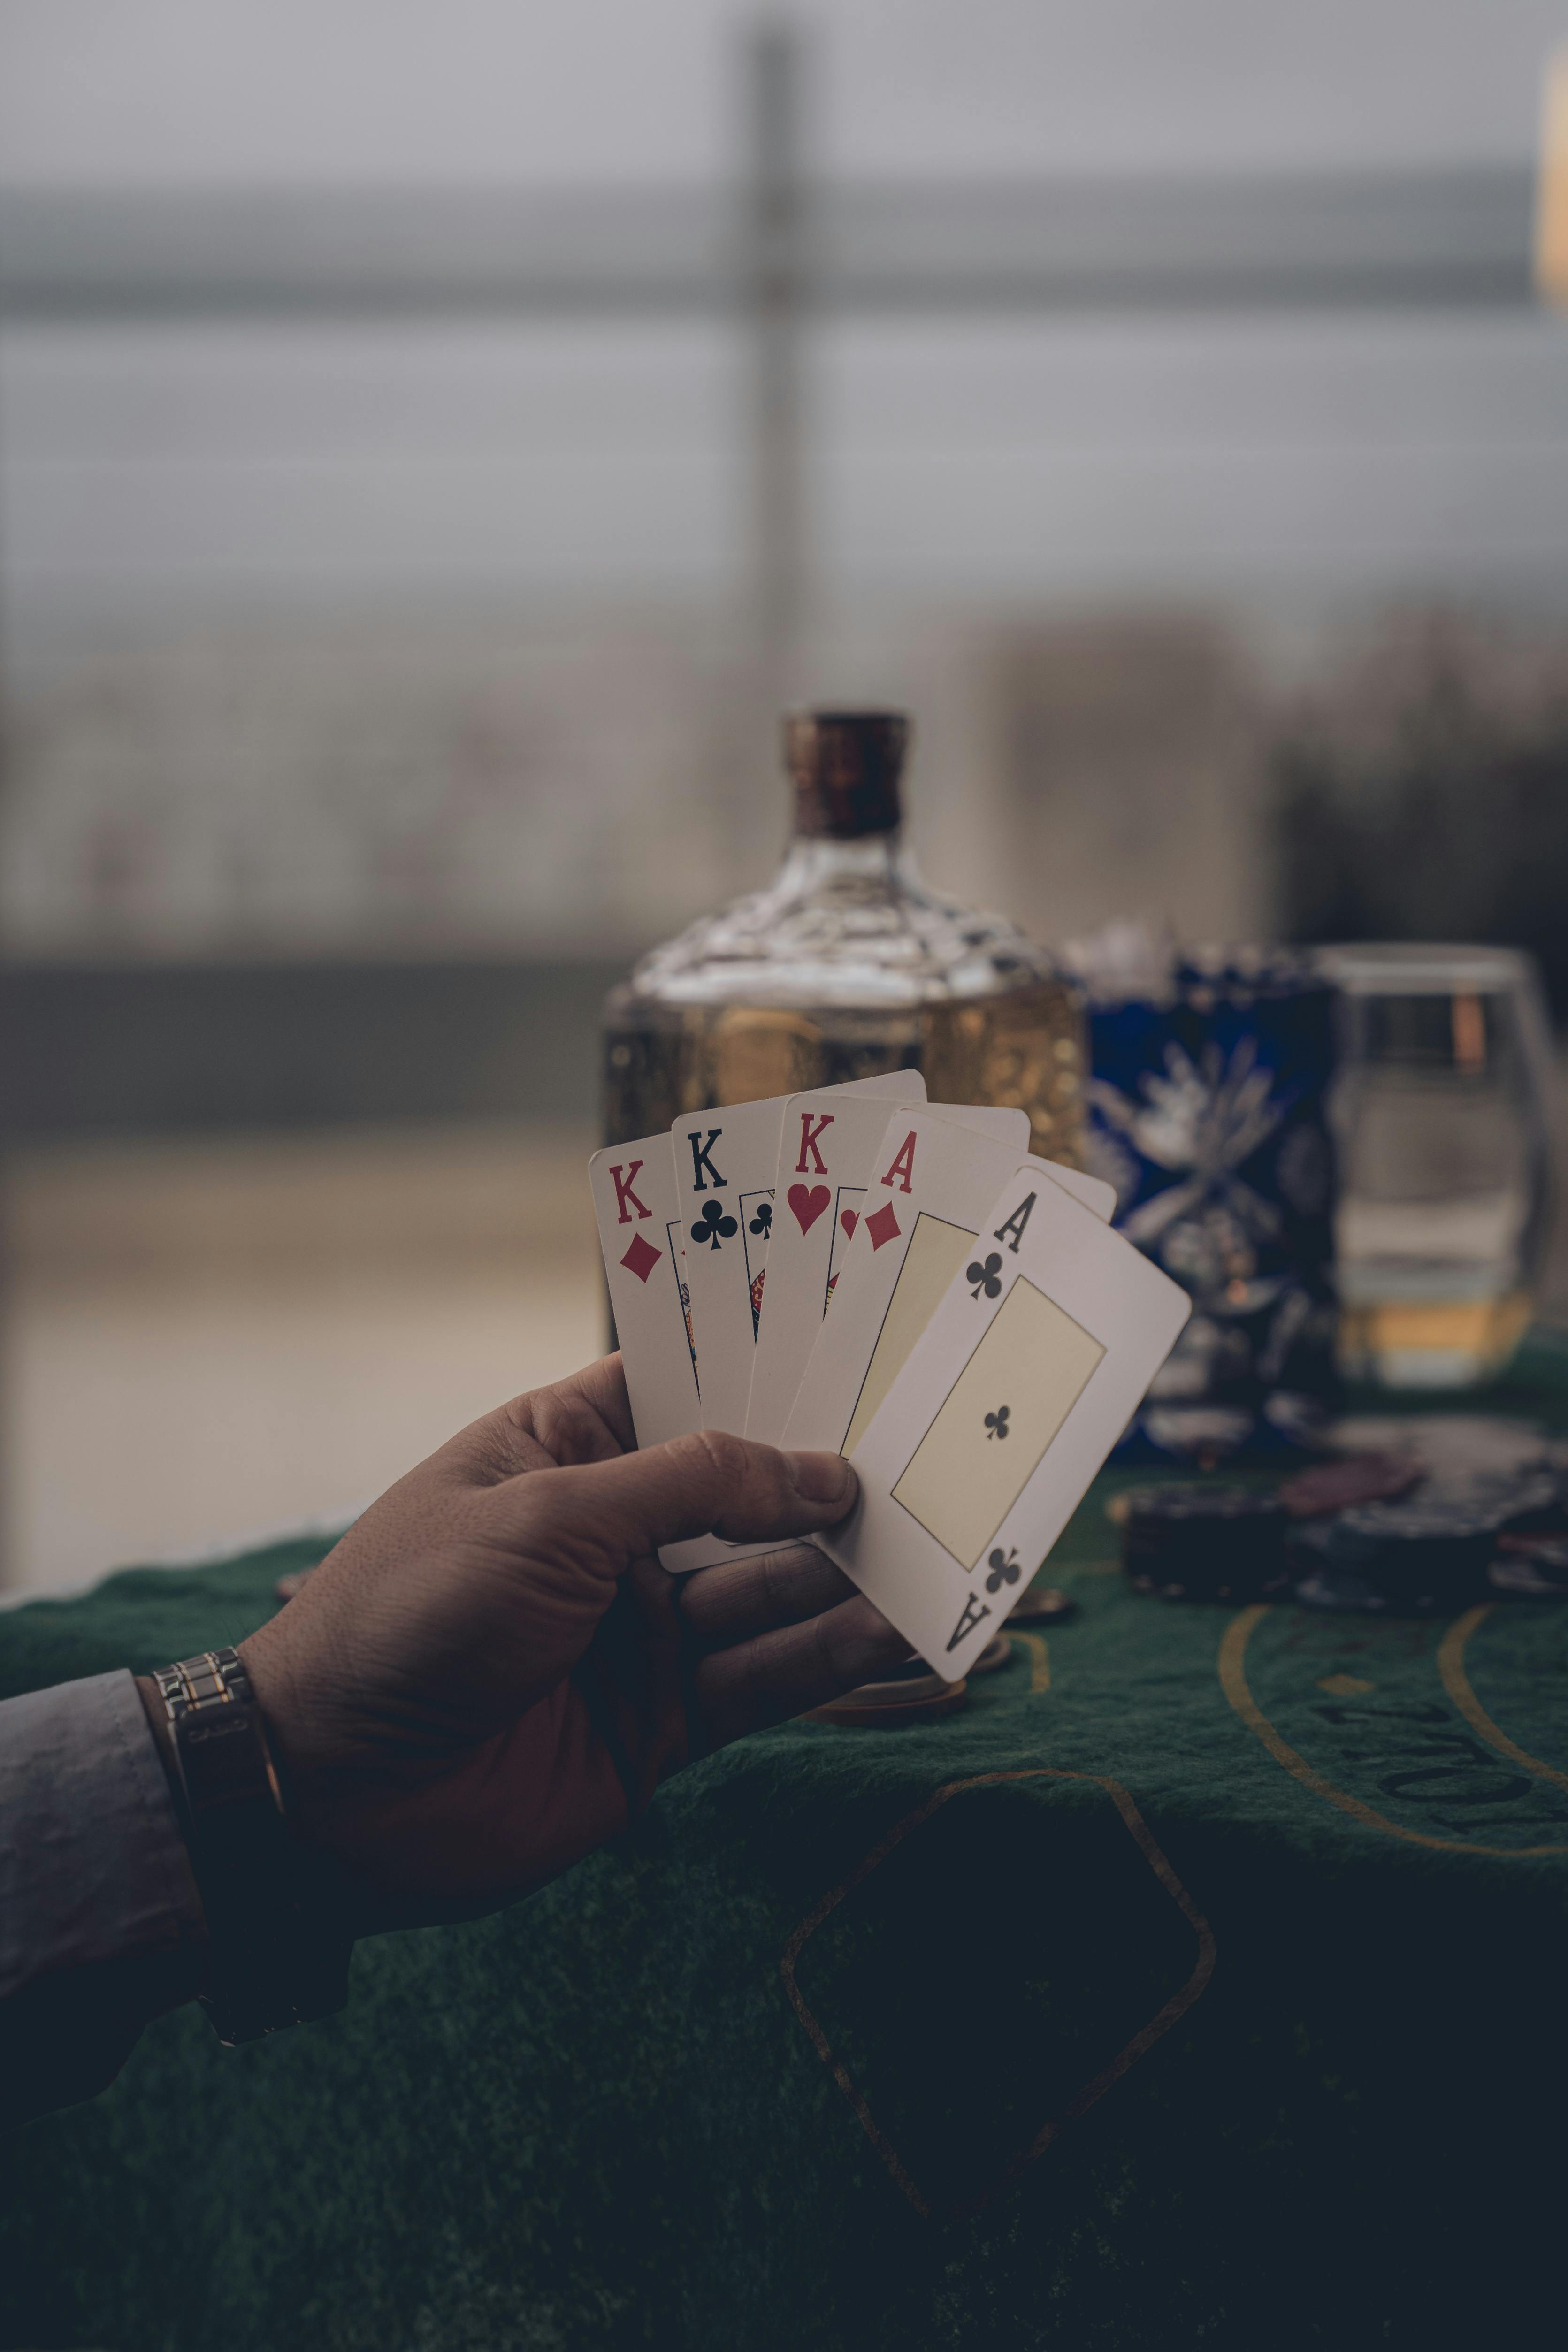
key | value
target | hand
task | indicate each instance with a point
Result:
(491, 1671)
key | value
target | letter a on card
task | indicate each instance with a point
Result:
(1012, 1232)
(902, 1169)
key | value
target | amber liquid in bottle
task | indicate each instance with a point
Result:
(847, 965)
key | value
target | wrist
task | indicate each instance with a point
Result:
(278, 1943)
(286, 1723)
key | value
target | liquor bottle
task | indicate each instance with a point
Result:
(845, 966)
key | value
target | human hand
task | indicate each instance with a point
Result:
(491, 1671)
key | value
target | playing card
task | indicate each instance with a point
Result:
(922, 1210)
(825, 1159)
(638, 1218)
(1026, 1374)
(725, 1161)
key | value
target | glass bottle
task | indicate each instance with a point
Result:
(846, 965)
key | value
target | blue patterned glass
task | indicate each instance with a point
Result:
(1207, 1112)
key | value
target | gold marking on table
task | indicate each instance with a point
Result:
(1039, 1662)
(1345, 1686)
(1456, 1683)
(1143, 2041)
(1233, 1682)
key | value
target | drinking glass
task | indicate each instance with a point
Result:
(1440, 1111)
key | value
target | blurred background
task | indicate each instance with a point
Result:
(435, 440)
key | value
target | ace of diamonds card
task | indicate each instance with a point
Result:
(827, 1146)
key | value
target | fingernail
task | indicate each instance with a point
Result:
(823, 1477)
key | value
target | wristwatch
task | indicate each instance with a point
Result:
(278, 1950)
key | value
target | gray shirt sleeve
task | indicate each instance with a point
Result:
(100, 1923)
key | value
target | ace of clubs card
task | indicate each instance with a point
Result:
(933, 1183)
(827, 1157)
(1026, 1374)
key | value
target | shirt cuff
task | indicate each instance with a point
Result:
(92, 1865)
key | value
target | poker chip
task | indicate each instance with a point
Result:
(1516, 1502)
(1446, 1443)
(1339, 1592)
(884, 1706)
(1202, 1542)
(1534, 1567)
(1329, 1487)
(1415, 1556)
(1043, 1604)
(996, 1653)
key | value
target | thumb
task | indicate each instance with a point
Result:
(707, 1482)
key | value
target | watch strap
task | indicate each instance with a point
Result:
(278, 1952)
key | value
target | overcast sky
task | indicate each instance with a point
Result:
(972, 458)
(597, 89)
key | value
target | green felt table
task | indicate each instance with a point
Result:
(1201, 1983)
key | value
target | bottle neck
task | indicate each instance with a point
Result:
(818, 862)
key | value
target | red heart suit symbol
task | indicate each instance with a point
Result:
(849, 1219)
(808, 1205)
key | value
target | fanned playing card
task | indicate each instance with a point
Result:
(825, 1159)
(725, 1161)
(724, 1165)
(1031, 1365)
(933, 1183)
(638, 1217)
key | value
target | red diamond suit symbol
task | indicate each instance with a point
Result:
(641, 1258)
(882, 1225)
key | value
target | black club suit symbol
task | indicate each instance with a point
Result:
(763, 1221)
(996, 1422)
(1004, 1567)
(986, 1277)
(712, 1226)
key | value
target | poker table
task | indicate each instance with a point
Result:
(1202, 1981)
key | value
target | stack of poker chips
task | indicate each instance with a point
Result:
(1203, 1542)
(1372, 1533)
(1431, 1551)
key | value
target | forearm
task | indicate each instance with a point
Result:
(100, 1925)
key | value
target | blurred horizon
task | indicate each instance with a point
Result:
(436, 441)
(454, 627)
